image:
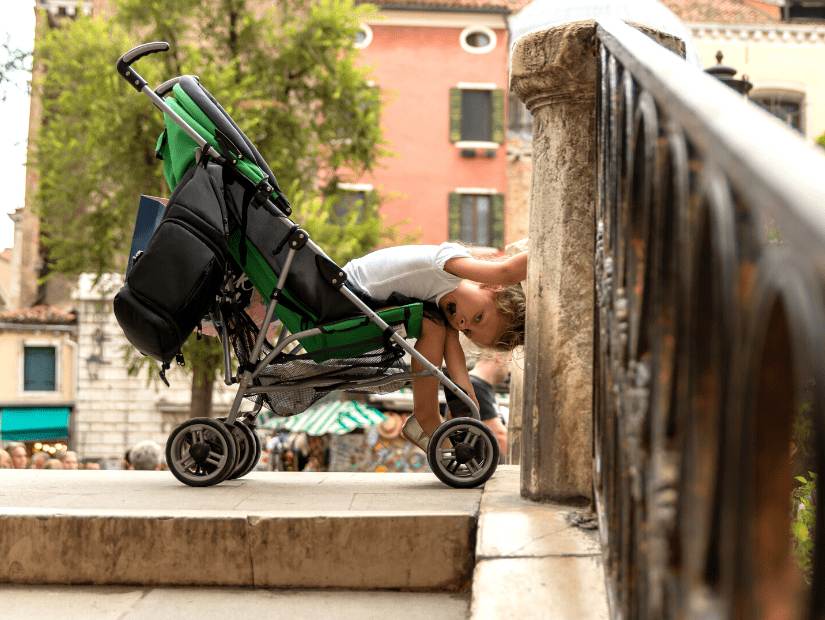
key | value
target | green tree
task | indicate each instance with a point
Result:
(13, 63)
(289, 76)
(821, 140)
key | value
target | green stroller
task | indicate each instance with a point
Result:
(226, 231)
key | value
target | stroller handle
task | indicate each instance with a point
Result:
(133, 55)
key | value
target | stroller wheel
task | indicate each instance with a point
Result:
(463, 453)
(249, 451)
(258, 450)
(201, 452)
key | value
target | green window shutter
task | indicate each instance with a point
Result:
(498, 116)
(455, 217)
(497, 237)
(455, 114)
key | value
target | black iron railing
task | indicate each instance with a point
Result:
(710, 343)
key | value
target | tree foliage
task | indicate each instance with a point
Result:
(288, 75)
(13, 62)
(286, 72)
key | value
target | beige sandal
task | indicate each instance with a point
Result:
(413, 432)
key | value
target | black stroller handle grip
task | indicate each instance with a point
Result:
(168, 85)
(133, 55)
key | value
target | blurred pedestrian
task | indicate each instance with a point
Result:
(18, 455)
(491, 369)
(39, 459)
(146, 455)
(5, 460)
(92, 465)
(68, 459)
(53, 464)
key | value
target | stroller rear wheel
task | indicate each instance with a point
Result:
(463, 453)
(248, 449)
(201, 452)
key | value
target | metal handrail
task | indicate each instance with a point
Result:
(709, 340)
(773, 167)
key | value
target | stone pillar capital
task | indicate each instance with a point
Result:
(559, 64)
(555, 65)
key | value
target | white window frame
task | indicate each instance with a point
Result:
(368, 32)
(21, 373)
(356, 187)
(476, 190)
(462, 39)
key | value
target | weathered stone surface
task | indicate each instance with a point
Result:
(138, 603)
(108, 547)
(554, 72)
(555, 588)
(510, 526)
(361, 531)
(531, 562)
(412, 552)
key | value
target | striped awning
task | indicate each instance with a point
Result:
(338, 417)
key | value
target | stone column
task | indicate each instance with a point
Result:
(554, 72)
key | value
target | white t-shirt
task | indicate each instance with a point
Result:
(416, 271)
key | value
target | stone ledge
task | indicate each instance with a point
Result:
(362, 531)
(557, 588)
(531, 562)
(140, 603)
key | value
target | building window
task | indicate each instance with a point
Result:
(351, 197)
(477, 218)
(478, 40)
(519, 120)
(477, 114)
(807, 10)
(363, 37)
(39, 369)
(786, 106)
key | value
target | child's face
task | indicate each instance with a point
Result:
(472, 309)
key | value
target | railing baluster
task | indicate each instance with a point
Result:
(709, 341)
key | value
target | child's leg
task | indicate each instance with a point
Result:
(425, 390)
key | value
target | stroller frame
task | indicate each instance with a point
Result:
(453, 453)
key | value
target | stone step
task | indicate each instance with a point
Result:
(268, 530)
(150, 603)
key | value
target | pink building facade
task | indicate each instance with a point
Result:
(444, 76)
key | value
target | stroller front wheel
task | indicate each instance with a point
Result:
(463, 453)
(248, 447)
(201, 452)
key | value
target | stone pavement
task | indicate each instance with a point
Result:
(363, 545)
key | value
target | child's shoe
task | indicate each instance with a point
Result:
(413, 432)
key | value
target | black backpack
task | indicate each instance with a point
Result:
(173, 283)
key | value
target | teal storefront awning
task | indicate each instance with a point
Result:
(34, 423)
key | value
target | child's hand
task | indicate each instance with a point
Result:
(511, 271)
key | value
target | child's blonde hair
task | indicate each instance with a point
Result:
(511, 304)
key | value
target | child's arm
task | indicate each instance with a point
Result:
(510, 271)
(456, 363)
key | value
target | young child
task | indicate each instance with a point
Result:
(481, 298)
